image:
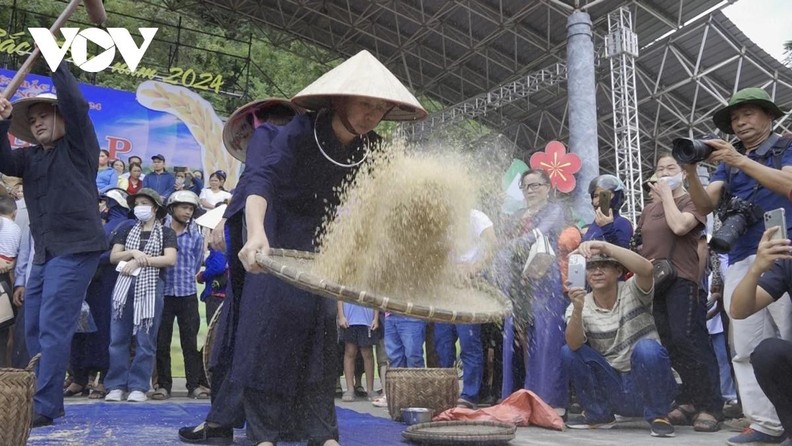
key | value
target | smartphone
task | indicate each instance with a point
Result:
(605, 201)
(776, 217)
(577, 271)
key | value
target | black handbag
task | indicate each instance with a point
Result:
(663, 271)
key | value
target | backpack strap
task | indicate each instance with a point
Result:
(776, 151)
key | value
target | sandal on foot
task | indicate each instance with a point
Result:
(68, 392)
(465, 403)
(200, 393)
(704, 422)
(360, 391)
(681, 416)
(98, 393)
(160, 394)
(348, 397)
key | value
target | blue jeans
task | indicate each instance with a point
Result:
(646, 390)
(404, 339)
(136, 375)
(53, 298)
(445, 336)
(719, 344)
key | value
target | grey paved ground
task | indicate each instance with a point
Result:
(625, 434)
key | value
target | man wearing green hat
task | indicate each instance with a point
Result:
(756, 175)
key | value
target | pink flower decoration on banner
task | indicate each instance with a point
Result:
(560, 166)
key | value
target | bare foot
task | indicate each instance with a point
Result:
(331, 443)
(265, 443)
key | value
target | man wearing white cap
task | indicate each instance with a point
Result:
(285, 354)
(64, 222)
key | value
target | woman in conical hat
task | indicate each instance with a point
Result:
(259, 121)
(285, 352)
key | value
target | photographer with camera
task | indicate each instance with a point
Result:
(753, 176)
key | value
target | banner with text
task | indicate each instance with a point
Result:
(159, 119)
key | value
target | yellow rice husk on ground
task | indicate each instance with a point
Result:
(400, 224)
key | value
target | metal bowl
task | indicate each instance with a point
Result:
(415, 415)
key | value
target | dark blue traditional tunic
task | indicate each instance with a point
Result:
(286, 339)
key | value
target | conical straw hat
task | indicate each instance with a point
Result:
(362, 75)
(238, 128)
(19, 119)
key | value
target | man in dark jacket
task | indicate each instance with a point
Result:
(160, 179)
(64, 222)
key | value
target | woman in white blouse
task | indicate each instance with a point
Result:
(215, 195)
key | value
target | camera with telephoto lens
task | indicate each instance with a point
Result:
(689, 151)
(735, 219)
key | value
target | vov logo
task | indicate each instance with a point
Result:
(77, 40)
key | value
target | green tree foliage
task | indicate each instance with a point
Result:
(250, 65)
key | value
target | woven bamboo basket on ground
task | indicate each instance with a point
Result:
(17, 387)
(479, 433)
(294, 267)
(436, 389)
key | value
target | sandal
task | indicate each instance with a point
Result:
(464, 403)
(380, 402)
(200, 393)
(682, 415)
(348, 397)
(98, 393)
(160, 394)
(68, 392)
(705, 422)
(360, 391)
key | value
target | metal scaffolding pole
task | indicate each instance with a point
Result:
(621, 48)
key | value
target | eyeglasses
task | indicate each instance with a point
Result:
(601, 266)
(532, 186)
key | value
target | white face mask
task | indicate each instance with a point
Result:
(673, 181)
(144, 213)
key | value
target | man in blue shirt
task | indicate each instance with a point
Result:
(64, 221)
(768, 280)
(181, 300)
(160, 179)
(757, 170)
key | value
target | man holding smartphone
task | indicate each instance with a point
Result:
(768, 280)
(613, 353)
(756, 173)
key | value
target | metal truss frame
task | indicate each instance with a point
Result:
(621, 49)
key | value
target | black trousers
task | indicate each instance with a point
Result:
(227, 408)
(772, 364)
(681, 318)
(492, 380)
(311, 415)
(184, 310)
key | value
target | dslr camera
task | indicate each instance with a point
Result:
(736, 216)
(690, 151)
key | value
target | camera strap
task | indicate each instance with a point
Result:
(774, 146)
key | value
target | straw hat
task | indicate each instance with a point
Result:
(362, 75)
(238, 128)
(756, 96)
(19, 118)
